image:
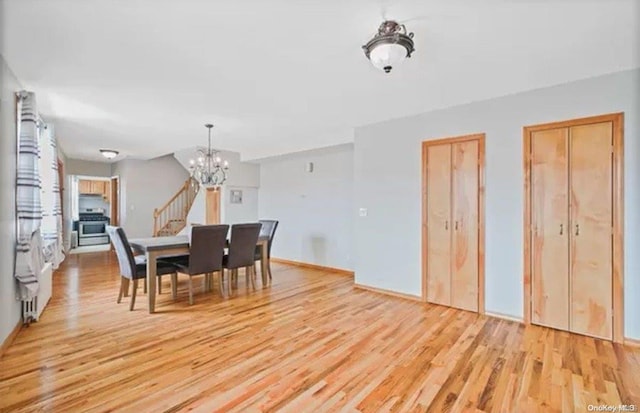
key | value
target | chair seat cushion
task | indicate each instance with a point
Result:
(181, 261)
(162, 267)
(181, 264)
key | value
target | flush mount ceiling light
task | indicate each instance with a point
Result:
(390, 46)
(109, 153)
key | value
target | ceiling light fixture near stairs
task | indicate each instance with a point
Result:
(390, 46)
(209, 169)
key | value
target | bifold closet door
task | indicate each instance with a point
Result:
(591, 178)
(439, 224)
(550, 228)
(464, 271)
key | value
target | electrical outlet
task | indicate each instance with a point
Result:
(363, 212)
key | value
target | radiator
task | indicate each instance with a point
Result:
(32, 309)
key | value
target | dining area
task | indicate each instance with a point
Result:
(205, 252)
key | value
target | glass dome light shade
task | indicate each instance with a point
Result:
(387, 55)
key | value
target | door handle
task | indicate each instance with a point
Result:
(456, 225)
(446, 225)
(561, 231)
(577, 229)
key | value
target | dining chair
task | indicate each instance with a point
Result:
(242, 247)
(132, 268)
(268, 229)
(206, 251)
(177, 257)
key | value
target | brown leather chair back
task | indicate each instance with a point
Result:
(207, 248)
(268, 230)
(244, 238)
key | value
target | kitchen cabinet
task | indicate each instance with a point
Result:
(94, 187)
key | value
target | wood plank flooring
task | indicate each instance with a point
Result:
(309, 343)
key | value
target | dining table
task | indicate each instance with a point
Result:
(156, 247)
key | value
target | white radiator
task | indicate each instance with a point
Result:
(31, 310)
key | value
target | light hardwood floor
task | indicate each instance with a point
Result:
(311, 342)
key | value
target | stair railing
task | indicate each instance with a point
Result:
(172, 216)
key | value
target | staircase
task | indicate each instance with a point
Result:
(172, 217)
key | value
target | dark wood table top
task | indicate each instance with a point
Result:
(164, 243)
(160, 243)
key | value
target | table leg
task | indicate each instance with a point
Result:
(151, 280)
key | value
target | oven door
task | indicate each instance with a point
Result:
(92, 233)
(92, 229)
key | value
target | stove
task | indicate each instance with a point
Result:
(92, 227)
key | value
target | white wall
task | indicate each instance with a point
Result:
(144, 186)
(198, 212)
(10, 311)
(315, 210)
(244, 176)
(388, 239)
(88, 168)
(93, 202)
(247, 211)
(229, 213)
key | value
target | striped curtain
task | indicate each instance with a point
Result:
(29, 260)
(51, 228)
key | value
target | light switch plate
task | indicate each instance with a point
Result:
(363, 212)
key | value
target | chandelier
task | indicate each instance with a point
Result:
(389, 46)
(209, 169)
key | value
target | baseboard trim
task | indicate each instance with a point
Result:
(313, 266)
(504, 317)
(631, 342)
(10, 338)
(389, 292)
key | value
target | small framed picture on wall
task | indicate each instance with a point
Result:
(236, 196)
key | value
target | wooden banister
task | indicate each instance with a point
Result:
(171, 217)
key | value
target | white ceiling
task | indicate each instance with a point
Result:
(277, 76)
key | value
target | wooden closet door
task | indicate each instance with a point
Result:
(439, 224)
(550, 228)
(464, 272)
(591, 236)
